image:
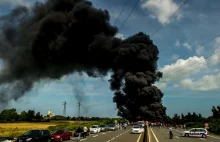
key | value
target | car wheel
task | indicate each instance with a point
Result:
(61, 139)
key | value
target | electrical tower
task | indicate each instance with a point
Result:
(79, 104)
(64, 109)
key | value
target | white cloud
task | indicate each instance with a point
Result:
(177, 44)
(217, 42)
(206, 83)
(216, 70)
(199, 49)
(120, 36)
(152, 16)
(162, 9)
(160, 85)
(187, 45)
(182, 68)
(175, 57)
(215, 56)
(15, 2)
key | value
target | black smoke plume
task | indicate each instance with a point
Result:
(60, 37)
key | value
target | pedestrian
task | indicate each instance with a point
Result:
(85, 129)
(80, 131)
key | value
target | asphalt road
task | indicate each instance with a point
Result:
(162, 135)
(111, 136)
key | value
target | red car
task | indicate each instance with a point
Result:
(60, 135)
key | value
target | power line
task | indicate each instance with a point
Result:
(195, 62)
(121, 12)
(130, 14)
(200, 45)
(200, 67)
(169, 18)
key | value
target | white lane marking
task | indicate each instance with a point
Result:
(214, 137)
(154, 135)
(83, 139)
(103, 133)
(118, 135)
(177, 137)
(139, 138)
(95, 136)
(202, 139)
(149, 138)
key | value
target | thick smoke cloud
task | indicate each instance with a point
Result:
(60, 37)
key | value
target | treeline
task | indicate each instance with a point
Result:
(11, 115)
(197, 120)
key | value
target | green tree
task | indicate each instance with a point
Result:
(30, 115)
(194, 117)
(38, 116)
(9, 115)
(216, 112)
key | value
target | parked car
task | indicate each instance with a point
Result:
(35, 136)
(95, 129)
(195, 132)
(60, 135)
(103, 128)
(112, 127)
(6, 139)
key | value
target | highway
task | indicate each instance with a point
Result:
(162, 135)
(111, 136)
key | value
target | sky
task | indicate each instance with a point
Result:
(188, 43)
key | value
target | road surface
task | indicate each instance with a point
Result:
(111, 136)
(162, 135)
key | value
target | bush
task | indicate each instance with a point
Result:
(194, 125)
(214, 126)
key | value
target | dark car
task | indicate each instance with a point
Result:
(6, 139)
(36, 136)
(60, 135)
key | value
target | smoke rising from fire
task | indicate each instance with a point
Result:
(60, 37)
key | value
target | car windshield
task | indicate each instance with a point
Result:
(136, 126)
(31, 132)
(28, 133)
(102, 125)
(94, 127)
(58, 131)
(111, 125)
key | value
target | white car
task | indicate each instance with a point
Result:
(137, 129)
(195, 132)
(94, 129)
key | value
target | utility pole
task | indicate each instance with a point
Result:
(79, 110)
(64, 109)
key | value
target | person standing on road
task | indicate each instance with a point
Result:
(85, 129)
(80, 131)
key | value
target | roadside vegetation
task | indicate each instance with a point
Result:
(13, 124)
(197, 120)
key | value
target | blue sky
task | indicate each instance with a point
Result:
(190, 66)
